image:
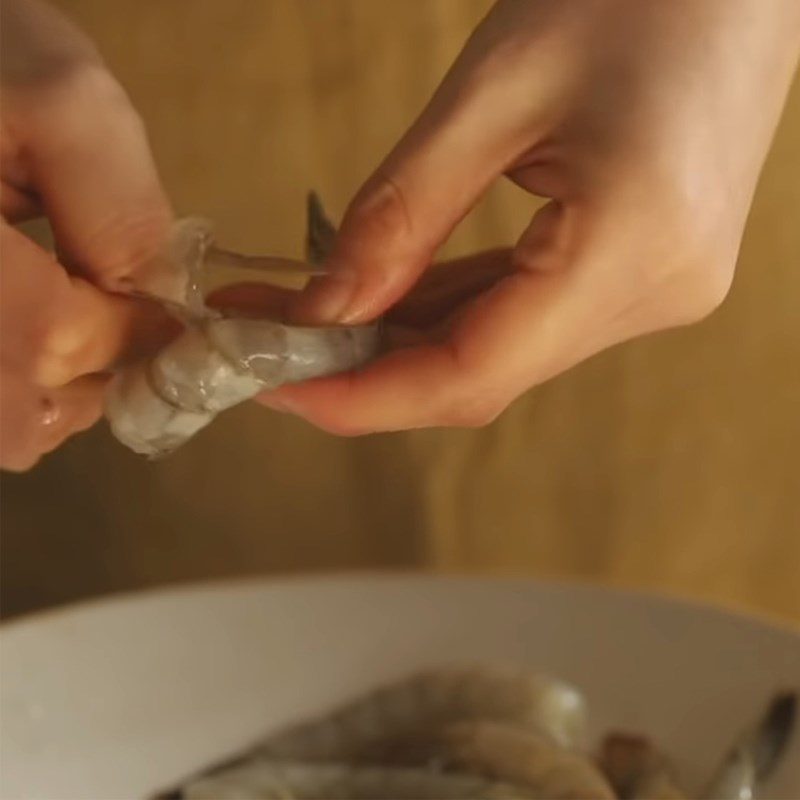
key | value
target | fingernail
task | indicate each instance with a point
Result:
(328, 299)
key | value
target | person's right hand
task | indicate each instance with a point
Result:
(644, 122)
(74, 149)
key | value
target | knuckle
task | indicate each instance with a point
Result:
(48, 348)
(54, 369)
(63, 341)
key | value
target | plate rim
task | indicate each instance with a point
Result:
(367, 577)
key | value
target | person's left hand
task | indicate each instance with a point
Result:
(73, 149)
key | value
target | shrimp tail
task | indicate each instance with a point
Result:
(320, 231)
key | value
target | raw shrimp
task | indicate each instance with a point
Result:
(276, 780)
(220, 360)
(523, 758)
(474, 732)
(400, 725)
(396, 722)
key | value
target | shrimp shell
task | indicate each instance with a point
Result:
(218, 362)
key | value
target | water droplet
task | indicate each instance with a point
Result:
(49, 411)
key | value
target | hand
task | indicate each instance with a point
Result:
(645, 124)
(74, 149)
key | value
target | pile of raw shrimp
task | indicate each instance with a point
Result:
(488, 733)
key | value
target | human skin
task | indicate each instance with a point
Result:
(74, 150)
(645, 124)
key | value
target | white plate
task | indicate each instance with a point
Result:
(117, 698)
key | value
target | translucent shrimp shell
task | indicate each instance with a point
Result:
(219, 361)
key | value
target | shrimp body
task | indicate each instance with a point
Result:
(523, 758)
(399, 722)
(445, 733)
(275, 780)
(219, 361)
(155, 406)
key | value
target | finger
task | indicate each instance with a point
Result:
(530, 326)
(441, 291)
(466, 137)
(88, 160)
(33, 422)
(447, 286)
(57, 327)
(460, 382)
(95, 331)
(18, 201)
(17, 205)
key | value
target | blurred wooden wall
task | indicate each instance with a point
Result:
(671, 462)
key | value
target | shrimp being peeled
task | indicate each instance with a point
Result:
(222, 359)
(474, 732)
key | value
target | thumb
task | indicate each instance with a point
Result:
(407, 209)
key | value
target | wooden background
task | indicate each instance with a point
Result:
(671, 462)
